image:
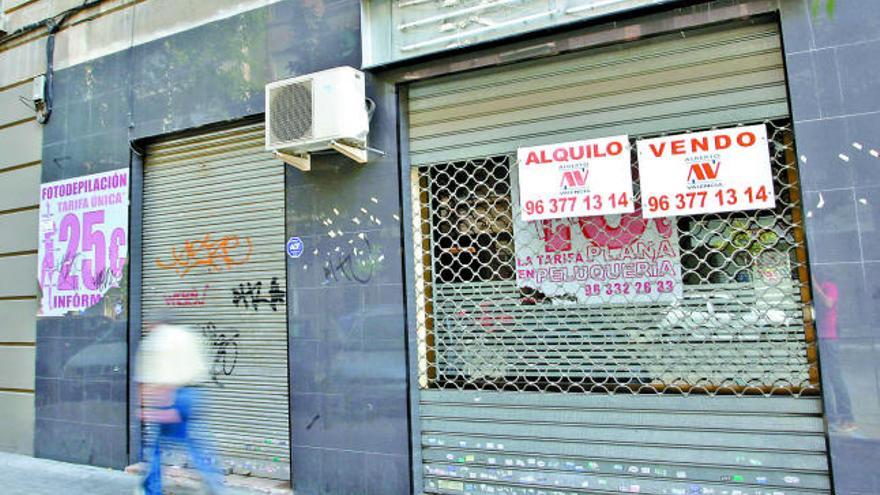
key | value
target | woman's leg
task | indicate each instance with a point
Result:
(153, 480)
(204, 461)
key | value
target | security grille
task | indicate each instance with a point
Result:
(741, 325)
(529, 390)
(703, 381)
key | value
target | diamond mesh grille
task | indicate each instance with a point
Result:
(290, 112)
(740, 326)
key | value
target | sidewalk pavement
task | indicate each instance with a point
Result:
(23, 475)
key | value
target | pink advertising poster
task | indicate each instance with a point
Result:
(83, 240)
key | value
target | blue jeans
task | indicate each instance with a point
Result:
(182, 434)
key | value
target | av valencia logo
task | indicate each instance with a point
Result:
(574, 180)
(703, 173)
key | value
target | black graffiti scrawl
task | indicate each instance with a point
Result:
(354, 265)
(222, 349)
(250, 295)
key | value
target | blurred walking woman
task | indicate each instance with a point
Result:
(171, 363)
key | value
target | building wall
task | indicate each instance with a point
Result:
(835, 99)
(140, 69)
(835, 102)
(20, 143)
(350, 431)
(109, 27)
(213, 74)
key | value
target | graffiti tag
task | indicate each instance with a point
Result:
(490, 318)
(223, 351)
(250, 295)
(214, 255)
(187, 297)
(356, 265)
(106, 279)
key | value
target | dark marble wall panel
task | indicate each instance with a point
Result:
(836, 107)
(346, 310)
(217, 72)
(82, 363)
(81, 387)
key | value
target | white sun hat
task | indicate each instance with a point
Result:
(171, 355)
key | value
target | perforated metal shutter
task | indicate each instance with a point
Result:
(213, 256)
(520, 394)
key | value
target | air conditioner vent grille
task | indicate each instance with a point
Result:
(291, 112)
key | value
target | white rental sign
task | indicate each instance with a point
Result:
(576, 179)
(706, 172)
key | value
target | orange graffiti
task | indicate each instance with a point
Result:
(213, 255)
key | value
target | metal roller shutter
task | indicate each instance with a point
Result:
(701, 79)
(511, 443)
(213, 222)
(522, 394)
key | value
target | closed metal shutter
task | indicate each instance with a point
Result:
(213, 236)
(523, 392)
(696, 79)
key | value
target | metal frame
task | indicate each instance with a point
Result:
(409, 276)
(137, 147)
(135, 289)
(628, 27)
(378, 16)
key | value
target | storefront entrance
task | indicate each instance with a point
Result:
(213, 221)
(670, 355)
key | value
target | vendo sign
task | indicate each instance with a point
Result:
(576, 179)
(706, 172)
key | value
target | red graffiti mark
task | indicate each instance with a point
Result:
(557, 236)
(213, 255)
(187, 297)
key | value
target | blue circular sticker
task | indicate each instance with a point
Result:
(295, 247)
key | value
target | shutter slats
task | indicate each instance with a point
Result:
(572, 439)
(703, 79)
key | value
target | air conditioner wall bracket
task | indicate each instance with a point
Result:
(301, 162)
(355, 153)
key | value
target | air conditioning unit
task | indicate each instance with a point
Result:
(321, 111)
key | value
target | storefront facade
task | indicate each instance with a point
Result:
(525, 381)
(424, 337)
(547, 357)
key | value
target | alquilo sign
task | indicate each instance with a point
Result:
(575, 179)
